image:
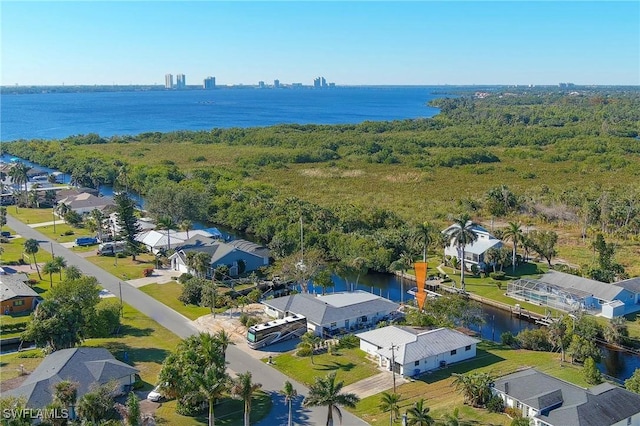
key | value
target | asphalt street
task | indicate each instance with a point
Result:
(272, 380)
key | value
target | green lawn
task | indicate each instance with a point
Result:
(350, 365)
(228, 412)
(442, 398)
(62, 229)
(124, 268)
(32, 215)
(168, 294)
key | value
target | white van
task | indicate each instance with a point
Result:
(115, 247)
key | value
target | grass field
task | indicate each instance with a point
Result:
(32, 215)
(124, 267)
(350, 366)
(168, 294)
(439, 394)
(62, 229)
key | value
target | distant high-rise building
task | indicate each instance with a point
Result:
(276, 83)
(316, 82)
(261, 84)
(323, 82)
(168, 81)
(181, 81)
(209, 83)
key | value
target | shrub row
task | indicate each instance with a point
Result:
(11, 328)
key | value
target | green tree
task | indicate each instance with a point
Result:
(389, 402)
(616, 331)
(185, 226)
(66, 394)
(544, 243)
(244, 389)
(323, 280)
(61, 263)
(19, 177)
(55, 325)
(424, 234)
(580, 349)
(513, 233)
(166, 223)
(418, 415)
(310, 341)
(326, 392)
(557, 335)
(96, 406)
(127, 222)
(51, 267)
(31, 247)
(72, 273)
(130, 412)
(501, 200)
(289, 393)
(475, 387)
(463, 233)
(3, 217)
(633, 383)
(591, 373)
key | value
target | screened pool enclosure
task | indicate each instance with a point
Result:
(550, 295)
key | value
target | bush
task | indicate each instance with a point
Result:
(495, 404)
(10, 328)
(498, 275)
(513, 412)
(69, 232)
(304, 350)
(508, 339)
(535, 340)
(184, 278)
(107, 319)
(36, 353)
(349, 341)
(252, 321)
(147, 272)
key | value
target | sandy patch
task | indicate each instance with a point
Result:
(331, 173)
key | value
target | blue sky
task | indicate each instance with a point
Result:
(416, 43)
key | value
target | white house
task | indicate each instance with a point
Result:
(413, 351)
(474, 253)
(333, 313)
(548, 401)
(162, 239)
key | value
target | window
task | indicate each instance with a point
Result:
(467, 348)
(629, 421)
(416, 363)
(363, 318)
(19, 302)
(333, 324)
(453, 352)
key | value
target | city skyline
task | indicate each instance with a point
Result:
(356, 43)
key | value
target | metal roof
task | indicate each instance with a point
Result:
(598, 289)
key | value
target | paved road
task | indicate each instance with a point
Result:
(271, 379)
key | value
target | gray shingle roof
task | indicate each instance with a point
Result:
(563, 403)
(11, 287)
(632, 284)
(85, 366)
(218, 249)
(336, 307)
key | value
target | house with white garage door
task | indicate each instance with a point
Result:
(413, 351)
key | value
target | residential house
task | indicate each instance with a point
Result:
(15, 295)
(162, 239)
(548, 401)
(573, 293)
(333, 313)
(87, 367)
(413, 351)
(229, 253)
(474, 253)
(85, 203)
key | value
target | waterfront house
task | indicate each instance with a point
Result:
(162, 239)
(15, 295)
(85, 203)
(413, 351)
(572, 293)
(548, 401)
(474, 253)
(87, 367)
(333, 313)
(229, 253)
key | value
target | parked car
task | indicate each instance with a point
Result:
(5, 234)
(86, 241)
(155, 394)
(112, 248)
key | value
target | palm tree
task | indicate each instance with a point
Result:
(224, 339)
(389, 402)
(72, 273)
(66, 393)
(557, 334)
(212, 384)
(61, 262)
(513, 233)
(475, 387)
(491, 257)
(185, 225)
(50, 268)
(31, 247)
(244, 388)
(453, 419)
(310, 340)
(424, 233)
(95, 222)
(289, 393)
(166, 222)
(463, 233)
(418, 415)
(19, 177)
(201, 263)
(326, 392)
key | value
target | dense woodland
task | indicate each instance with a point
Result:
(551, 159)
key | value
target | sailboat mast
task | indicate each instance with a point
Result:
(301, 242)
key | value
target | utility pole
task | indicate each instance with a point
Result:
(393, 365)
(120, 289)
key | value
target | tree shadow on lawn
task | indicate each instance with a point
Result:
(482, 359)
(335, 366)
(127, 330)
(128, 354)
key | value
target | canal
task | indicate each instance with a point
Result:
(617, 364)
